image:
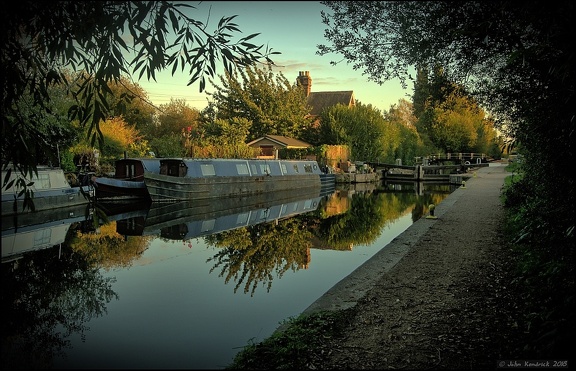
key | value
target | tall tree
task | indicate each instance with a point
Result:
(130, 101)
(363, 128)
(174, 117)
(421, 91)
(166, 137)
(411, 144)
(273, 104)
(42, 39)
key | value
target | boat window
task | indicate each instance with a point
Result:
(129, 171)
(308, 168)
(176, 169)
(208, 225)
(242, 219)
(207, 169)
(265, 169)
(242, 169)
(42, 237)
(264, 214)
(182, 170)
(284, 170)
(296, 168)
(43, 181)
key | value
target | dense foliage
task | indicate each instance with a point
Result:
(272, 104)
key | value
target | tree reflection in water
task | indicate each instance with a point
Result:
(249, 255)
(46, 297)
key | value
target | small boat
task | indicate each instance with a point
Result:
(128, 180)
(51, 191)
(182, 179)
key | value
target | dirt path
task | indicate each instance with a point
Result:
(438, 296)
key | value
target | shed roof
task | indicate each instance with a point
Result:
(283, 141)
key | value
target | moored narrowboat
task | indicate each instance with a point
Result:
(50, 187)
(193, 179)
(128, 180)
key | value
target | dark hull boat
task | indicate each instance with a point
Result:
(128, 181)
(197, 179)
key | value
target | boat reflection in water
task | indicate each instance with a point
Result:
(179, 220)
(184, 220)
(40, 230)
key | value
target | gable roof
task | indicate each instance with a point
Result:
(283, 141)
(323, 99)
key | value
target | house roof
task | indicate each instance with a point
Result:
(283, 141)
(322, 99)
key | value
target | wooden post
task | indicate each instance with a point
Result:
(419, 172)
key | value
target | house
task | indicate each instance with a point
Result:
(318, 101)
(323, 99)
(270, 144)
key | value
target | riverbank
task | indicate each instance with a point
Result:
(441, 295)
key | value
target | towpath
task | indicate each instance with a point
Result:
(437, 296)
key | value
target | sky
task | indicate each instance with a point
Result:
(293, 28)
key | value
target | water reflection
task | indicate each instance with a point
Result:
(52, 293)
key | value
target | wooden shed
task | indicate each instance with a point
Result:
(270, 144)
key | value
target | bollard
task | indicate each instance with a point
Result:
(463, 184)
(432, 207)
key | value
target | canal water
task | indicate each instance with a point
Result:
(188, 286)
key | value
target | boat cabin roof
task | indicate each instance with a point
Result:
(149, 164)
(196, 168)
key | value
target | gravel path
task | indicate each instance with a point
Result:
(438, 296)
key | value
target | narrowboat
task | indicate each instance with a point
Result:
(182, 179)
(128, 180)
(51, 191)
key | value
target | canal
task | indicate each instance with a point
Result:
(149, 287)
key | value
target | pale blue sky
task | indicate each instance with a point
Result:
(293, 28)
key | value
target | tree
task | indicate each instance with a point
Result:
(167, 135)
(47, 132)
(410, 143)
(40, 40)
(363, 128)
(273, 104)
(456, 124)
(332, 128)
(130, 101)
(222, 139)
(175, 116)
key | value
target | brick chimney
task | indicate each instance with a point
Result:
(305, 80)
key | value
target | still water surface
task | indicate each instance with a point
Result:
(176, 296)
